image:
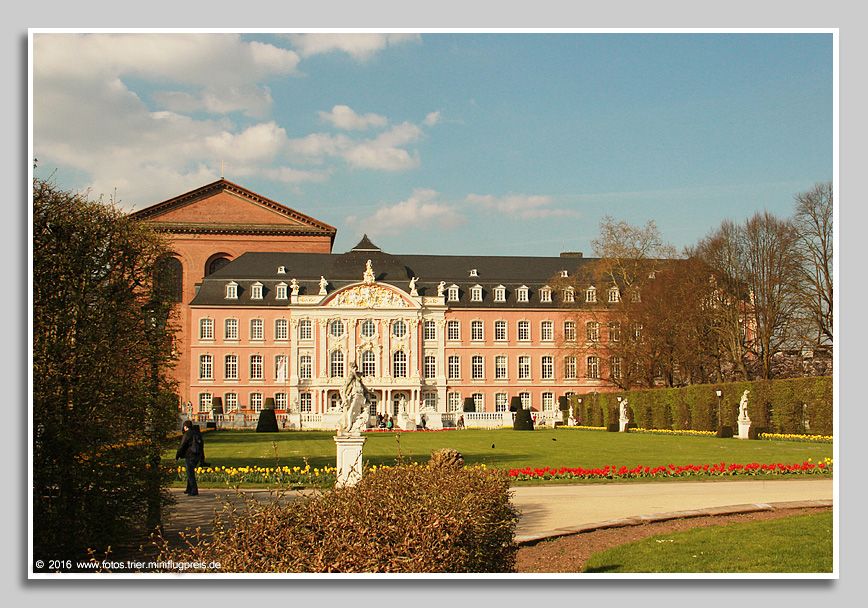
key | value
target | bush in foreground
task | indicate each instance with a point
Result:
(410, 518)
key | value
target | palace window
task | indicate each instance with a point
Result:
(206, 329)
(591, 294)
(547, 331)
(523, 294)
(281, 329)
(232, 290)
(230, 328)
(256, 371)
(257, 331)
(570, 370)
(616, 365)
(452, 330)
(334, 400)
(256, 402)
(500, 330)
(336, 328)
(548, 402)
(569, 295)
(548, 367)
(170, 278)
(336, 364)
(476, 331)
(477, 369)
(453, 402)
(500, 293)
(636, 332)
(614, 295)
(452, 295)
(205, 402)
(429, 398)
(399, 328)
(478, 403)
(305, 367)
(280, 401)
(369, 363)
(206, 367)
(216, 264)
(453, 368)
(429, 366)
(614, 331)
(500, 402)
(500, 367)
(429, 330)
(545, 294)
(368, 328)
(231, 401)
(525, 400)
(593, 367)
(230, 367)
(305, 402)
(399, 364)
(256, 291)
(524, 367)
(592, 329)
(280, 291)
(570, 331)
(635, 296)
(476, 293)
(524, 330)
(305, 329)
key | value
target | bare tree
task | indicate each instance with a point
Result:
(813, 224)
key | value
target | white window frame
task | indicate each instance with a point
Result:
(230, 329)
(570, 331)
(305, 366)
(256, 291)
(500, 293)
(569, 295)
(478, 402)
(399, 364)
(206, 328)
(592, 331)
(334, 325)
(280, 291)
(368, 363)
(614, 331)
(548, 367)
(570, 368)
(429, 330)
(280, 401)
(545, 295)
(523, 294)
(453, 330)
(429, 367)
(305, 329)
(399, 328)
(477, 330)
(547, 331)
(501, 402)
(429, 398)
(336, 364)
(526, 401)
(524, 331)
(591, 295)
(231, 290)
(257, 329)
(500, 331)
(501, 367)
(614, 295)
(205, 402)
(616, 367)
(256, 401)
(452, 293)
(477, 367)
(231, 401)
(453, 401)
(206, 367)
(257, 367)
(230, 367)
(524, 370)
(593, 367)
(476, 293)
(453, 367)
(548, 401)
(368, 328)
(281, 330)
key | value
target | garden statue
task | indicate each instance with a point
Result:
(624, 415)
(294, 286)
(624, 419)
(413, 291)
(441, 288)
(742, 408)
(354, 402)
(322, 285)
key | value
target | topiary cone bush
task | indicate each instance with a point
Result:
(406, 518)
(217, 406)
(515, 404)
(267, 422)
(469, 404)
(269, 403)
(523, 420)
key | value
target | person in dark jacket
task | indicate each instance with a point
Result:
(192, 458)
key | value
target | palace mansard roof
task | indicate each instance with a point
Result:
(340, 270)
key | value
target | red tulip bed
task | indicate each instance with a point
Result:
(670, 471)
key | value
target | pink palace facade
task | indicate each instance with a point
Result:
(426, 332)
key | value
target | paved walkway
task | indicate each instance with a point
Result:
(555, 510)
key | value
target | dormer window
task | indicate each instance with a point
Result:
(256, 291)
(564, 273)
(523, 294)
(476, 293)
(500, 293)
(545, 294)
(453, 293)
(280, 291)
(569, 295)
(474, 273)
(591, 294)
(281, 270)
(232, 290)
(635, 296)
(614, 295)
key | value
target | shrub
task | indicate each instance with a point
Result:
(469, 404)
(408, 518)
(446, 457)
(267, 422)
(523, 420)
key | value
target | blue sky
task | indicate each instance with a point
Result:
(468, 143)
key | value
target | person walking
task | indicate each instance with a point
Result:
(192, 450)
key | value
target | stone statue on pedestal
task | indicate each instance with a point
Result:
(742, 408)
(413, 291)
(323, 284)
(354, 402)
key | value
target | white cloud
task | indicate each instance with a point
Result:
(432, 119)
(360, 46)
(344, 117)
(421, 211)
(520, 206)
(384, 152)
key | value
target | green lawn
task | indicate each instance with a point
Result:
(506, 448)
(801, 543)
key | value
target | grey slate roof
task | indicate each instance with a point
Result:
(344, 269)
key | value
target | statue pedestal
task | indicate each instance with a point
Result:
(349, 459)
(743, 429)
(622, 425)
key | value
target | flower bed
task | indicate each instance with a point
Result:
(286, 476)
(669, 471)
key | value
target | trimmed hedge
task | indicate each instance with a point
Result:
(794, 405)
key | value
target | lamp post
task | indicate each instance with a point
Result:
(719, 395)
